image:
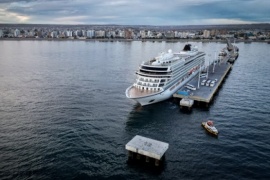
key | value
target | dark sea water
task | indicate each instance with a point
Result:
(64, 114)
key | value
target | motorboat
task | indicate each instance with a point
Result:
(209, 126)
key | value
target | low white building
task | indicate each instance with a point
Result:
(99, 33)
(183, 34)
(110, 34)
(121, 34)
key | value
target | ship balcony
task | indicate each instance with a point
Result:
(147, 84)
(147, 88)
(159, 75)
(155, 68)
(149, 80)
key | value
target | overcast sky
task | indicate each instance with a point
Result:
(135, 12)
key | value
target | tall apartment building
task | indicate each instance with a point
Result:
(90, 33)
(16, 32)
(83, 33)
(68, 33)
(143, 34)
(206, 34)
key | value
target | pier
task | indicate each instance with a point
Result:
(145, 148)
(204, 92)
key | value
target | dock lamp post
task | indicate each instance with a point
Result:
(208, 66)
(199, 79)
(214, 62)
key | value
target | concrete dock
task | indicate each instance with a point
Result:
(147, 148)
(204, 93)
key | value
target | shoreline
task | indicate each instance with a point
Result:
(130, 40)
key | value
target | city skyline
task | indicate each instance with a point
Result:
(137, 12)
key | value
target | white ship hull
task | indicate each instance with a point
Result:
(161, 96)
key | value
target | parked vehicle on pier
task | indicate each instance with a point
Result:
(191, 87)
(203, 82)
(212, 84)
(208, 82)
(203, 75)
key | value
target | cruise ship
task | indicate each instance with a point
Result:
(159, 78)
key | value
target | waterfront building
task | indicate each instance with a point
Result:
(143, 34)
(110, 34)
(83, 33)
(1, 33)
(16, 33)
(53, 34)
(214, 32)
(100, 34)
(78, 33)
(191, 35)
(176, 34)
(169, 34)
(68, 33)
(121, 34)
(90, 33)
(206, 34)
(128, 34)
(150, 34)
(159, 35)
(183, 34)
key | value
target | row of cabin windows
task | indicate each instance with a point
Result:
(144, 84)
(148, 88)
(148, 85)
(149, 80)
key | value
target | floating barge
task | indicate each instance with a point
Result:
(145, 148)
(186, 102)
(204, 94)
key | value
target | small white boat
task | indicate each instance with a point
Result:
(209, 126)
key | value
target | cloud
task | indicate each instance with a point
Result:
(9, 17)
(151, 12)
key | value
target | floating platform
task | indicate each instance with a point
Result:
(186, 102)
(205, 93)
(148, 148)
